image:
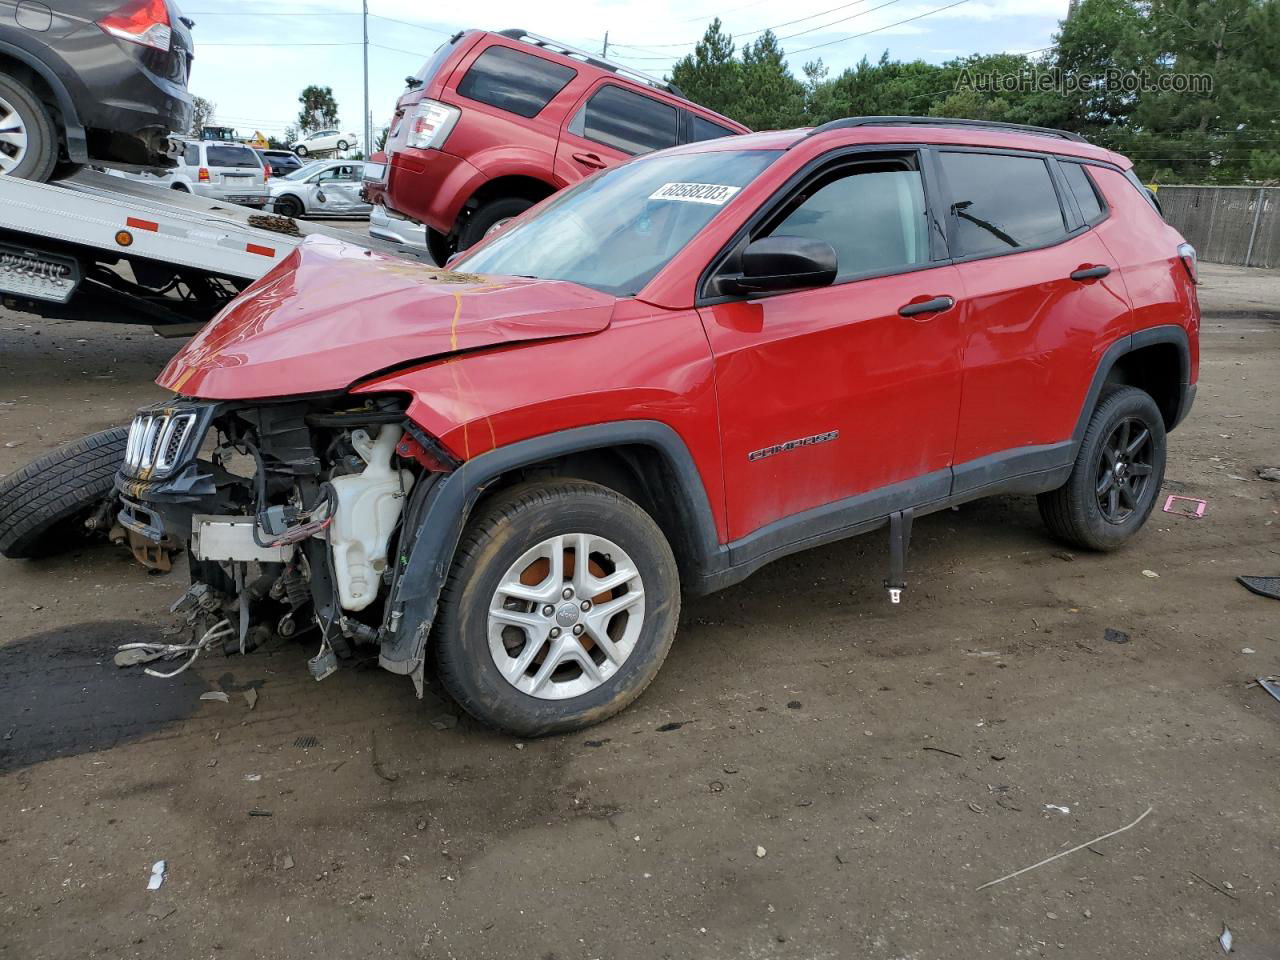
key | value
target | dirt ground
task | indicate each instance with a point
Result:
(814, 774)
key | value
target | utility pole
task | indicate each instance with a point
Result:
(366, 144)
(605, 52)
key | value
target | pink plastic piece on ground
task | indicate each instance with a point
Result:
(1199, 511)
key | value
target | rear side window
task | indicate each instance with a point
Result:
(437, 59)
(706, 130)
(1000, 203)
(191, 155)
(626, 121)
(1083, 190)
(514, 81)
(231, 157)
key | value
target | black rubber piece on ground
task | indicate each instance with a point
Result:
(1071, 512)
(499, 533)
(1262, 586)
(43, 505)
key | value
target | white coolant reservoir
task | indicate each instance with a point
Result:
(369, 506)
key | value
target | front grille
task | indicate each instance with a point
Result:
(156, 442)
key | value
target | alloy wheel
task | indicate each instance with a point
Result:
(13, 137)
(1124, 470)
(566, 616)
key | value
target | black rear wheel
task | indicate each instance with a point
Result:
(1117, 474)
(28, 140)
(44, 505)
(490, 217)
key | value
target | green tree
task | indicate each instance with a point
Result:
(770, 97)
(710, 75)
(319, 109)
(202, 112)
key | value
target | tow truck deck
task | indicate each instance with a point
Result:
(111, 249)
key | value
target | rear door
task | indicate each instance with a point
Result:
(1043, 299)
(611, 124)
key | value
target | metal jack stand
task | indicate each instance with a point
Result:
(899, 541)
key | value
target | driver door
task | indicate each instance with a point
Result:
(337, 189)
(835, 407)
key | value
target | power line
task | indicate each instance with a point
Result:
(867, 33)
(381, 46)
(776, 26)
(354, 43)
(407, 23)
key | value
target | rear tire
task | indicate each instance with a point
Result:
(342, 144)
(491, 215)
(31, 153)
(300, 151)
(44, 505)
(531, 672)
(1107, 498)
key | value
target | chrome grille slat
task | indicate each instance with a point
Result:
(157, 441)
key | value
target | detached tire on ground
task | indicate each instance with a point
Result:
(1117, 474)
(44, 505)
(493, 214)
(30, 151)
(533, 641)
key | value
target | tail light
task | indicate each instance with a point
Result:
(1187, 253)
(144, 22)
(203, 175)
(266, 174)
(431, 124)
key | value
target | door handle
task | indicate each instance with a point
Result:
(1090, 273)
(936, 305)
(589, 160)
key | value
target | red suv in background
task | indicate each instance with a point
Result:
(495, 122)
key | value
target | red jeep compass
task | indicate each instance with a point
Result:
(495, 122)
(657, 381)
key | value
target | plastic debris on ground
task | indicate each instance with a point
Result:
(1151, 574)
(1271, 685)
(215, 695)
(1263, 586)
(1115, 636)
(157, 875)
(1195, 509)
(251, 697)
(1054, 806)
(1224, 941)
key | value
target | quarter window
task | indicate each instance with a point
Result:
(1083, 190)
(514, 81)
(873, 216)
(191, 155)
(1000, 203)
(626, 121)
(706, 130)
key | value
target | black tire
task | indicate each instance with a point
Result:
(300, 151)
(439, 246)
(342, 144)
(288, 206)
(488, 216)
(42, 138)
(1075, 513)
(504, 529)
(43, 506)
(181, 188)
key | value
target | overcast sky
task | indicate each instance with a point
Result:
(253, 64)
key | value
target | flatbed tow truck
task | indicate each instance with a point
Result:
(111, 249)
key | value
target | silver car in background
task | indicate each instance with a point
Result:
(322, 188)
(385, 225)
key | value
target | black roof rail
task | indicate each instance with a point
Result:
(847, 122)
(555, 46)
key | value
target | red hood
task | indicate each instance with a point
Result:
(332, 313)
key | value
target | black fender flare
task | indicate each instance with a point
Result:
(73, 129)
(1165, 333)
(438, 510)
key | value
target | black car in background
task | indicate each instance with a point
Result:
(279, 162)
(102, 81)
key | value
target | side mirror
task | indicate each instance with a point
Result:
(771, 264)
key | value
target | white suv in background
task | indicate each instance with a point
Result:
(218, 170)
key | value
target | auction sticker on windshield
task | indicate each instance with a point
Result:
(715, 194)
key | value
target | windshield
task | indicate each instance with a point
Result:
(614, 231)
(304, 171)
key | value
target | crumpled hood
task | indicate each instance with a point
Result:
(332, 313)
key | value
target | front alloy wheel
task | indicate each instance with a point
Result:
(559, 609)
(559, 628)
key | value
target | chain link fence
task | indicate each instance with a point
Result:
(1239, 225)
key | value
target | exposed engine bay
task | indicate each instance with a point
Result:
(293, 514)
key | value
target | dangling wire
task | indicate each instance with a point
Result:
(218, 632)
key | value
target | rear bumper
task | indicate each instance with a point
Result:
(428, 185)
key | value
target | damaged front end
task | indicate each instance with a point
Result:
(294, 514)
